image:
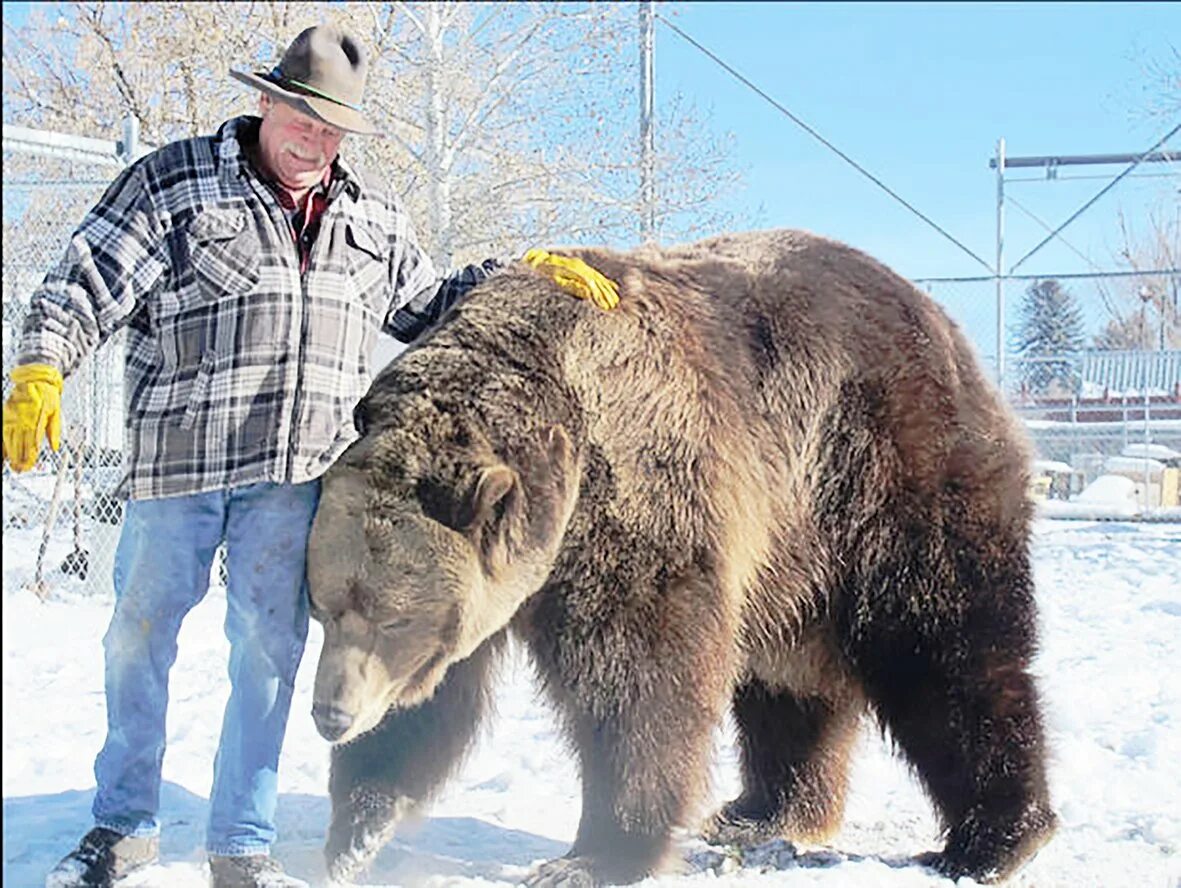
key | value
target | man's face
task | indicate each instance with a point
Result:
(296, 149)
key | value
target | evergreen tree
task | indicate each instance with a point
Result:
(1050, 332)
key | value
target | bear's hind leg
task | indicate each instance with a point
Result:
(795, 757)
(378, 778)
(954, 691)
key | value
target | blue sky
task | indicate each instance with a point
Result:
(919, 94)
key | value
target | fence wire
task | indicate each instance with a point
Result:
(1086, 410)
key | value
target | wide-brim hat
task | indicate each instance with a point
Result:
(322, 74)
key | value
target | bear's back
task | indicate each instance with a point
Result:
(759, 378)
(788, 321)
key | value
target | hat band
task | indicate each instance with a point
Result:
(277, 73)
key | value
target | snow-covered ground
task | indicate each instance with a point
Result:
(1111, 614)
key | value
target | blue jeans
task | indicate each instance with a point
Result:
(162, 569)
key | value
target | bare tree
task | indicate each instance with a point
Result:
(508, 125)
(1143, 308)
(1163, 84)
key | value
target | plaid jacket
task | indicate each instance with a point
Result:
(239, 368)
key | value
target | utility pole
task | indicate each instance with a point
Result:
(647, 153)
(1000, 267)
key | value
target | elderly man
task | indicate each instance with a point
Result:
(253, 270)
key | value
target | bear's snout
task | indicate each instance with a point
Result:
(330, 721)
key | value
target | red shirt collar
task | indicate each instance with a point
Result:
(287, 202)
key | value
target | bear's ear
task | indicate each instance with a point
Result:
(491, 492)
(467, 506)
(494, 515)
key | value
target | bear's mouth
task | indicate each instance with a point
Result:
(412, 692)
(419, 687)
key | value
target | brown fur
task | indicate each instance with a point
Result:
(773, 478)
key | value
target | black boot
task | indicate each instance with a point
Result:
(255, 871)
(102, 858)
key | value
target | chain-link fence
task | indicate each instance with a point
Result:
(1090, 412)
(63, 509)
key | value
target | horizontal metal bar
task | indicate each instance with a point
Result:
(55, 183)
(64, 153)
(1023, 179)
(1085, 159)
(14, 133)
(1041, 277)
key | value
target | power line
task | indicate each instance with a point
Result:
(827, 144)
(1102, 191)
(1102, 290)
(1046, 226)
(1088, 275)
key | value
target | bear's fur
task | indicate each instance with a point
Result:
(773, 478)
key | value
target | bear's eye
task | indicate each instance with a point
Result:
(395, 625)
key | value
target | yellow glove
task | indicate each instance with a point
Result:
(32, 411)
(575, 277)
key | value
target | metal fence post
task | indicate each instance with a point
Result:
(647, 144)
(129, 147)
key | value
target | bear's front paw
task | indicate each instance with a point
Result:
(736, 824)
(358, 832)
(954, 869)
(565, 872)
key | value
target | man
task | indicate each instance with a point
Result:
(253, 270)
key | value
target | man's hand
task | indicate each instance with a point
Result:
(32, 412)
(575, 277)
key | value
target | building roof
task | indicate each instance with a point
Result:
(1129, 372)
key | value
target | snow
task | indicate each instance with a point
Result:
(1151, 451)
(1133, 421)
(1116, 491)
(1051, 466)
(1110, 599)
(1140, 466)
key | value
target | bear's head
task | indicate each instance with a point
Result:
(425, 543)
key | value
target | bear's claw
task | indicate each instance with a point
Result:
(565, 872)
(981, 851)
(355, 837)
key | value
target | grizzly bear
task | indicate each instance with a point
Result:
(773, 478)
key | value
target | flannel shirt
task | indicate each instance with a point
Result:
(239, 368)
